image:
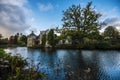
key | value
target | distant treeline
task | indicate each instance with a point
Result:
(14, 40)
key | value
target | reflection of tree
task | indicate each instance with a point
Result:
(75, 70)
(93, 65)
(71, 66)
(96, 66)
(47, 58)
(105, 63)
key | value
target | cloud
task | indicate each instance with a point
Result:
(110, 17)
(12, 17)
(111, 21)
(31, 21)
(19, 3)
(115, 22)
(109, 13)
(44, 7)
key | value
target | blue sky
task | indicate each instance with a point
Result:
(51, 17)
(39, 15)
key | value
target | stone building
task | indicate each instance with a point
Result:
(31, 39)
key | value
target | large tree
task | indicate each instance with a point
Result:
(82, 19)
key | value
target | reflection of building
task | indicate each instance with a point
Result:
(31, 40)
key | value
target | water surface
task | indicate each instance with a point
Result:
(57, 64)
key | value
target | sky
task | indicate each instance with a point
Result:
(24, 16)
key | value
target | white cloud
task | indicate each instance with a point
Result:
(31, 21)
(110, 17)
(19, 3)
(111, 13)
(115, 22)
(13, 16)
(44, 7)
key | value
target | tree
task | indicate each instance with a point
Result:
(72, 17)
(81, 23)
(43, 40)
(24, 39)
(11, 39)
(82, 19)
(111, 32)
(51, 38)
(0, 36)
(16, 39)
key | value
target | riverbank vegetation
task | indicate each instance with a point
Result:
(13, 68)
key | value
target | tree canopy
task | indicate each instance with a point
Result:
(111, 32)
(83, 19)
(50, 37)
(81, 23)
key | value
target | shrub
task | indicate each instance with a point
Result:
(13, 68)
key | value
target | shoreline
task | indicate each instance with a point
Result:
(59, 47)
(69, 47)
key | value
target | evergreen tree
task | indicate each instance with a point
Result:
(51, 38)
(43, 40)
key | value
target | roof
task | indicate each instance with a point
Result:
(32, 34)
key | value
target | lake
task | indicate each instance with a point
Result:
(72, 64)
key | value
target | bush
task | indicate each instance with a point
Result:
(13, 68)
(2, 53)
(103, 45)
(21, 43)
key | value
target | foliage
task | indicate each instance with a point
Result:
(2, 53)
(13, 68)
(43, 40)
(19, 40)
(24, 39)
(16, 39)
(81, 22)
(111, 32)
(51, 38)
(21, 43)
(84, 19)
(3, 41)
(103, 45)
(0, 36)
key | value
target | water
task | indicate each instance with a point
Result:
(57, 64)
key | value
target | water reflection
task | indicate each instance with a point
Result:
(57, 64)
(106, 63)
